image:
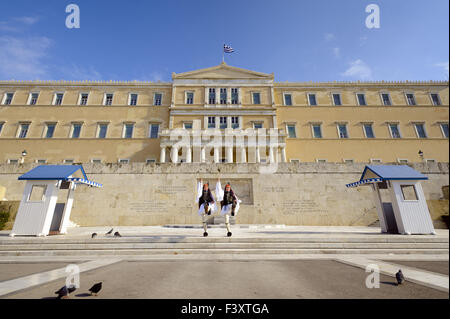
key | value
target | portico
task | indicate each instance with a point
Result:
(219, 146)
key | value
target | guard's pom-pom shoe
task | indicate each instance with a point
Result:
(229, 234)
(205, 234)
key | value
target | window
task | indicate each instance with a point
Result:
(429, 161)
(154, 130)
(8, 98)
(50, 130)
(256, 98)
(109, 98)
(37, 193)
(368, 130)
(312, 99)
(420, 130)
(102, 130)
(395, 132)
(295, 161)
(212, 96)
(157, 99)
(234, 96)
(410, 99)
(317, 130)
(41, 161)
(76, 130)
(150, 160)
(1, 126)
(337, 99)
(291, 131)
(187, 125)
(68, 161)
(375, 161)
(288, 99)
(33, 98)
(257, 125)
(84, 98)
(234, 122)
(223, 96)
(211, 122)
(361, 99)
(23, 130)
(409, 192)
(342, 128)
(124, 161)
(58, 98)
(223, 122)
(96, 161)
(348, 161)
(128, 130)
(13, 161)
(435, 99)
(402, 160)
(386, 99)
(444, 129)
(189, 97)
(133, 99)
(321, 160)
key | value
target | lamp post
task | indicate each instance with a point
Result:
(22, 159)
(421, 154)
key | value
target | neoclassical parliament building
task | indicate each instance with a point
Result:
(58, 122)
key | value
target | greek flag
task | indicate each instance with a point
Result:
(227, 49)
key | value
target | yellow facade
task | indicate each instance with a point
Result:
(259, 101)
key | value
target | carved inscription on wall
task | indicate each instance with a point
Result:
(148, 206)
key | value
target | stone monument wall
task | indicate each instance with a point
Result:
(160, 194)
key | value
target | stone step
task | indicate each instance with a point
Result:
(200, 239)
(220, 245)
(255, 251)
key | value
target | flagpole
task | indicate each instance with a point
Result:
(223, 53)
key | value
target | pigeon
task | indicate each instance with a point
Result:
(110, 232)
(94, 235)
(117, 234)
(62, 293)
(71, 289)
(96, 288)
(399, 277)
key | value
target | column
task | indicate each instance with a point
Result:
(258, 155)
(174, 154)
(271, 155)
(228, 96)
(283, 154)
(243, 155)
(229, 154)
(162, 158)
(217, 96)
(188, 154)
(216, 155)
(206, 95)
(203, 155)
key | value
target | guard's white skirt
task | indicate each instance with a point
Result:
(226, 210)
(212, 208)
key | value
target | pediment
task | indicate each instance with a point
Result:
(222, 71)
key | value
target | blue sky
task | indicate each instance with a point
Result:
(297, 40)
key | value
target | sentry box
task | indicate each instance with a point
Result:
(42, 211)
(399, 198)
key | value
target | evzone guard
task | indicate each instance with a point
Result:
(229, 203)
(206, 204)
